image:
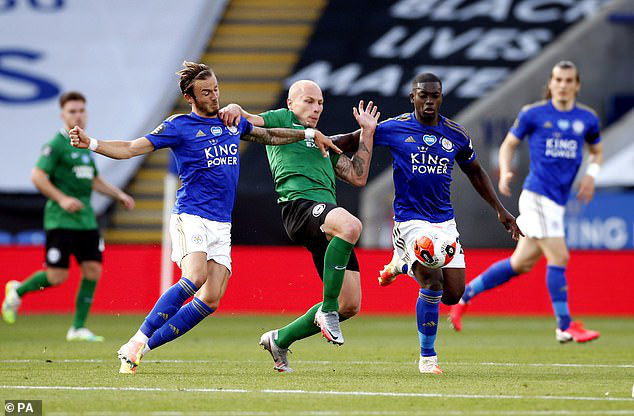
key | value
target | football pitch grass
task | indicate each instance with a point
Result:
(497, 366)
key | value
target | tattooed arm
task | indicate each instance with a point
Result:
(355, 170)
(278, 137)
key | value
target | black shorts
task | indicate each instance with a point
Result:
(303, 220)
(85, 245)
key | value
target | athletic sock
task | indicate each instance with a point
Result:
(167, 305)
(83, 301)
(558, 289)
(335, 262)
(427, 320)
(495, 275)
(37, 281)
(185, 319)
(300, 328)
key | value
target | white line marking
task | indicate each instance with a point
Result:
(326, 393)
(408, 363)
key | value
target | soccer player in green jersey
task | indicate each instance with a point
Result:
(67, 176)
(305, 184)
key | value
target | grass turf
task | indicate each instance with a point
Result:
(494, 366)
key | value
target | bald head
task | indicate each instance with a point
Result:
(306, 101)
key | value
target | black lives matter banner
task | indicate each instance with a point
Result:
(372, 49)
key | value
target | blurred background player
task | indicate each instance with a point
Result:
(557, 129)
(67, 176)
(424, 146)
(206, 154)
(305, 184)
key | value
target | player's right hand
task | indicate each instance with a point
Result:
(505, 183)
(230, 115)
(79, 138)
(367, 118)
(70, 204)
(324, 143)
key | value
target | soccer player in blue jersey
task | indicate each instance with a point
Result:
(208, 163)
(556, 130)
(424, 146)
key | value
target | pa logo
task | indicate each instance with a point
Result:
(429, 139)
(318, 209)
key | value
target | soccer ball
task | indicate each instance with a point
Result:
(435, 249)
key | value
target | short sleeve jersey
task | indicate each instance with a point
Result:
(207, 160)
(72, 171)
(423, 159)
(299, 169)
(555, 145)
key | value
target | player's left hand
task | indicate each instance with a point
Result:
(508, 221)
(79, 138)
(586, 189)
(126, 200)
(367, 118)
(230, 115)
(324, 143)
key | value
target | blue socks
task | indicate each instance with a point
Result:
(185, 319)
(558, 289)
(427, 320)
(168, 304)
(495, 275)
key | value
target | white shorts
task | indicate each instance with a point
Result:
(191, 233)
(405, 234)
(540, 217)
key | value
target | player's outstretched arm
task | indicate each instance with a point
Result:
(507, 150)
(355, 170)
(482, 184)
(116, 149)
(586, 187)
(102, 186)
(230, 115)
(278, 137)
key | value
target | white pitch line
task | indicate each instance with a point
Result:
(326, 393)
(408, 363)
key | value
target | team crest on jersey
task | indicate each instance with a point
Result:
(318, 209)
(429, 139)
(446, 144)
(216, 131)
(563, 124)
(74, 155)
(85, 159)
(578, 126)
(233, 130)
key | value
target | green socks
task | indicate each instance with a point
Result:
(83, 302)
(335, 262)
(36, 281)
(300, 328)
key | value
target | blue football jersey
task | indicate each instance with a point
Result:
(423, 159)
(555, 146)
(207, 160)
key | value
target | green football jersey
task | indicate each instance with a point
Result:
(299, 169)
(72, 171)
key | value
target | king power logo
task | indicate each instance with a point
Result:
(223, 154)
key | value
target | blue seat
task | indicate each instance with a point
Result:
(5, 238)
(30, 237)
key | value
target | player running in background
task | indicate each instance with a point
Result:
(424, 146)
(67, 177)
(556, 129)
(305, 184)
(207, 159)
